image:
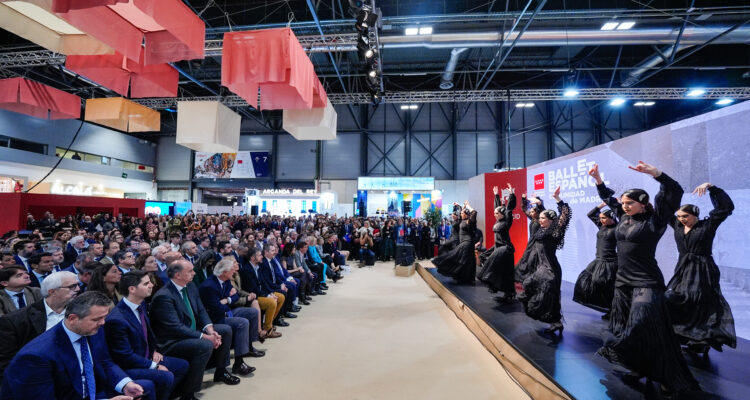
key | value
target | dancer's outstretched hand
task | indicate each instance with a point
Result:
(701, 189)
(644, 168)
(594, 173)
(495, 190)
(556, 195)
(511, 189)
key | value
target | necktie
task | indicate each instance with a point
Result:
(21, 301)
(224, 290)
(189, 307)
(273, 274)
(144, 327)
(88, 369)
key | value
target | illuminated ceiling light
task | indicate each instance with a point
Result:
(625, 25)
(695, 92)
(724, 102)
(617, 102)
(570, 92)
(644, 103)
(413, 107)
(411, 31)
(372, 73)
(425, 30)
(405, 107)
(608, 26)
(524, 105)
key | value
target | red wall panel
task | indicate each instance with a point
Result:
(519, 229)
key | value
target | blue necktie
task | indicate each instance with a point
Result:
(224, 289)
(21, 301)
(88, 369)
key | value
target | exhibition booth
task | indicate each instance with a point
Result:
(288, 202)
(396, 196)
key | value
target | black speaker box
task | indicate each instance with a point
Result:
(404, 254)
(253, 210)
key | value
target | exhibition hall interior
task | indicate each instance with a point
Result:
(374, 199)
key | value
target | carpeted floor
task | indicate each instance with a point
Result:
(374, 336)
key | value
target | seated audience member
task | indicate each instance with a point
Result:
(96, 249)
(41, 267)
(19, 327)
(147, 264)
(105, 280)
(184, 330)
(190, 251)
(144, 249)
(246, 299)
(291, 263)
(159, 252)
(131, 340)
(24, 249)
(7, 259)
(205, 244)
(83, 268)
(217, 295)
(314, 256)
(174, 241)
(277, 283)
(313, 270)
(16, 292)
(125, 261)
(58, 257)
(71, 361)
(75, 247)
(204, 266)
(270, 303)
(111, 248)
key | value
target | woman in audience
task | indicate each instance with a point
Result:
(296, 270)
(147, 263)
(105, 279)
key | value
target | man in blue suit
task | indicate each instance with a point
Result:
(24, 249)
(131, 340)
(71, 361)
(275, 283)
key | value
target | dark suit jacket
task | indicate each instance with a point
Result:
(47, 368)
(212, 292)
(20, 263)
(272, 280)
(127, 346)
(30, 295)
(70, 257)
(170, 318)
(34, 280)
(18, 328)
(251, 282)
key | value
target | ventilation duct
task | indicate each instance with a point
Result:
(447, 80)
(644, 66)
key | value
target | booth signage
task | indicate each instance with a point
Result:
(81, 190)
(396, 183)
(295, 192)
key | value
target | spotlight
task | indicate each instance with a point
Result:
(425, 30)
(570, 92)
(376, 98)
(364, 48)
(643, 103)
(695, 92)
(724, 102)
(608, 26)
(411, 31)
(372, 74)
(617, 102)
(366, 19)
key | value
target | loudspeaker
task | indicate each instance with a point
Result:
(253, 210)
(362, 209)
(407, 207)
(404, 254)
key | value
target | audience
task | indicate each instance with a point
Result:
(185, 295)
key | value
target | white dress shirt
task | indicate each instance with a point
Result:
(53, 318)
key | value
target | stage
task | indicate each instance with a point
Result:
(569, 367)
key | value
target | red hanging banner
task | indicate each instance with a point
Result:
(145, 31)
(38, 100)
(119, 73)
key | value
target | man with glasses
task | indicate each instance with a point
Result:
(19, 327)
(125, 261)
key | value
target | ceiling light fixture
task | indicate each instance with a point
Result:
(411, 31)
(524, 105)
(617, 102)
(724, 102)
(625, 25)
(425, 30)
(695, 92)
(609, 26)
(570, 92)
(644, 103)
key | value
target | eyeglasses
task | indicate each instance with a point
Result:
(71, 287)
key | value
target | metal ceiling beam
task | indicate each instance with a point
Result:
(459, 96)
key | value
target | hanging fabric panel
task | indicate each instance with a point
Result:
(34, 20)
(208, 126)
(122, 114)
(312, 124)
(273, 61)
(38, 100)
(147, 32)
(119, 73)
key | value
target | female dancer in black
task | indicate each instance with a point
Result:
(460, 262)
(452, 241)
(700, 315)
(642, 338)
(533, 209)
(541, 288)
(497, 261)
(595, 286)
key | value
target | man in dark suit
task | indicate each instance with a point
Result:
(75, 247)
(183, 329)
(275, 283)
(24, 249)
(15, 292)
(291, 283)
(71, 361)
(41, 267)
(217, 295)
(131, 340)
(250, 280)
(19, 327)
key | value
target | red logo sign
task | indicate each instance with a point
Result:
(539, 182)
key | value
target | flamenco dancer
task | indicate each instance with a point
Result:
(452, 241)
(700, 315)
(497, 262)
(533, 209)
(642, 338)
(460, 262)
(541, 288)
(595, 286)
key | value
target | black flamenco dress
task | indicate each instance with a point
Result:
(640, 335)
(497, 262)
(521, 270)
(595, 286)
(541, 287)
(452, 241)
(460, 261)
(700, 315)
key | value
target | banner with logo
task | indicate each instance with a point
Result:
(243, 164)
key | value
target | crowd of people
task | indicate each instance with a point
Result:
(650, 323)
(98, 306)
